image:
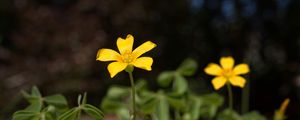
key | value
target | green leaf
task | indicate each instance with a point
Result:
(254, 115)
(34, 107)
(141, 85)
(117, 92)
(148, 104)
(180, 85)
(123, 114)
(110, 105)
(229, 114)
(194, 109)
(210, 104)
(35, 92)
(79, 99)
(70, 114)
(56, 100)
(165, 78)
(213, 99)
(188, 67)
(25, 115)
(84, 98)
(177, 103)
(162, 109)
(93, 111)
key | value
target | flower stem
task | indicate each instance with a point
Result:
(230, 96)
(132, 95)
(245, 98)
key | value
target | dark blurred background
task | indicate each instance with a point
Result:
(53, 44)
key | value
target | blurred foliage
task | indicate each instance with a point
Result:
(54, 107)
(173, 101)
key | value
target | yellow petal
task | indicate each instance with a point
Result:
(241, 69)
(284, 105)
(218, 82)
(213, 69)
(125, 45)
(107, 55)
(237, 81)
(143, 63)
(116, 67)
(227, 62)
(145, 47)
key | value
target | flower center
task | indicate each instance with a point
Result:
(127, 57)
(227, 73)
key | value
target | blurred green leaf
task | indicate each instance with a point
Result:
(110, 105)
(25, 115)
(56, 100)
(180, 85)
(35, 92)
(162, 110)
(70, 114)
(123, 114)
(229, 114)
(194, 109)
(117, 92)
(165, 78)
(34, 107)
(210, 104)
(253, 115)
(177, 103)
(188, 67)
(93, 111)
(148, 103)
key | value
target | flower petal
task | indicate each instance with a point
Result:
(116, 67)
(145, 47)
(213, 69)
(237, 81)
(126, 44)
(227, 62)
(218, 82)
(241, 69)
(143, 63)
(107, 55)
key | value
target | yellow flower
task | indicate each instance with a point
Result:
(127, 57)
(279, 114)
(227, 73)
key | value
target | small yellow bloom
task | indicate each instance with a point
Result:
(227, 73)
(126, 57)
(279, 114)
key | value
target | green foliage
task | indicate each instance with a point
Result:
(54, 107)
(174, 94)
(75, 112)
(173, 101)
(41, 108)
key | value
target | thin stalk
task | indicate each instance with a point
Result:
(245, 98)
(177, 115)
(230, 96)
(133, 95)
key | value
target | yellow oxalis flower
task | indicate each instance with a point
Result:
(227, 72)
(126, 57)
(279, 114)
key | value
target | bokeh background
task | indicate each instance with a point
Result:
(53, 44)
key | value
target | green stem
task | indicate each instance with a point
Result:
(177, 115)
(133, 95)
(79, 115)
(245, 98)
(230, 96)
